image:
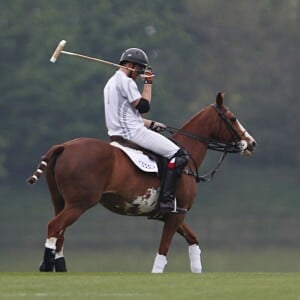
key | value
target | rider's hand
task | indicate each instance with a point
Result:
(148, 75)
(157, 126)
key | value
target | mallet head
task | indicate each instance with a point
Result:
(57, 51)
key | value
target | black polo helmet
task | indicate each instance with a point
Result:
(135, 55)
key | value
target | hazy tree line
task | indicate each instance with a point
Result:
(249, 49)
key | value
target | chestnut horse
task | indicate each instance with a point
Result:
(84, 172)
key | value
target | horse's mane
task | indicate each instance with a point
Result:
(195, 116)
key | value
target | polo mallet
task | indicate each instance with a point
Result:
(59, 50)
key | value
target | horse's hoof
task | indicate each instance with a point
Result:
(43, 268)
(47, 264)
(60, 265)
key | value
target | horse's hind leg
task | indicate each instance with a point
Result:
(60, 262)
(49, 261)
(56, 228)
(194, 250)
(54, 258)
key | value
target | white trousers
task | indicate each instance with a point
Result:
(155, 142)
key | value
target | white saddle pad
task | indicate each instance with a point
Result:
(142, 161)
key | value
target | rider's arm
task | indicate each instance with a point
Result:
(147, 122)
(143, 104)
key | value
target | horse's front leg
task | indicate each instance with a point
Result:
(171, 225)
(194, 250)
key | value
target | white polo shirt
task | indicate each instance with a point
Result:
(121, 117)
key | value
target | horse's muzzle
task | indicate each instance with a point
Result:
(248, 148)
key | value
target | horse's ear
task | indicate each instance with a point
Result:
(220, 99)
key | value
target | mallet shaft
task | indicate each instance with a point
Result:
(96, 59)
(59, 49)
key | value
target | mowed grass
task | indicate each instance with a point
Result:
(265, 260)
(211, 286)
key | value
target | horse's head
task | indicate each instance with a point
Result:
(230, 130)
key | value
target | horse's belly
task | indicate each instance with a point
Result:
(141, 205)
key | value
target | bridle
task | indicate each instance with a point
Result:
(213, 144)
(228, 123)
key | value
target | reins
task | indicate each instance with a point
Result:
(210, 175)
(212, 144)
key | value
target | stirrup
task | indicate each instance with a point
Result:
(175, 206)
(174, 209)
(178, 210)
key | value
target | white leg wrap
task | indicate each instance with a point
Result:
(195, 259)
(159, 264)
(59, 254)
(51, 243)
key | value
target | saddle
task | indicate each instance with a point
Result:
(150, 159)
(160, 164)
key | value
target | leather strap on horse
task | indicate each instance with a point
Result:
(124, 142)
(210, 175)
(212, 145)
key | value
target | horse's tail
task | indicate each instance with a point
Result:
(54, 150)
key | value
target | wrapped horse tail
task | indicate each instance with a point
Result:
(54, 151)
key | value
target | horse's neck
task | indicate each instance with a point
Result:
(200, 125)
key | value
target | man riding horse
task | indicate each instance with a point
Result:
(124, 107)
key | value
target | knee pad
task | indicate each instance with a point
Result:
(181, 159)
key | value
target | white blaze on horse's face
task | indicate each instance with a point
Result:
(247, 143)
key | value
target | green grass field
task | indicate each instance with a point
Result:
(271, 260)
(210, 286)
